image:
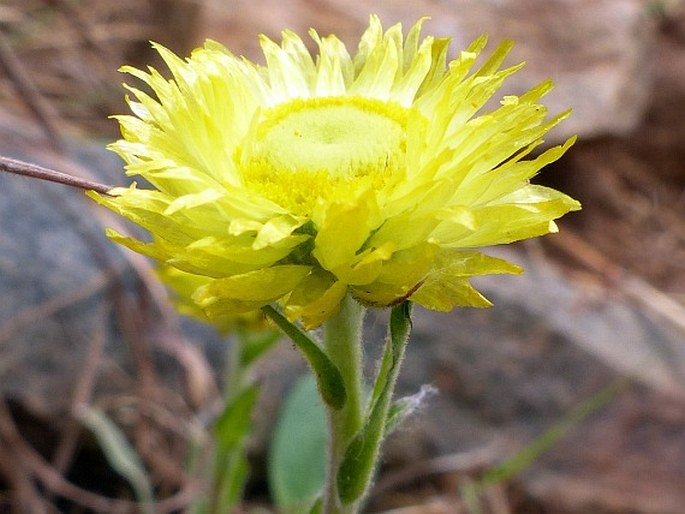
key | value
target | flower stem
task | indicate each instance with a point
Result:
(357, 468)
(343, 345)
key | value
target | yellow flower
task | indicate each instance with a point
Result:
(376, 174)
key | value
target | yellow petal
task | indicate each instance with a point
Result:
(447, 285)
(399, 277)
(520, 215)
(249, 291)
(183, 285)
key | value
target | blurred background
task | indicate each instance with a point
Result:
(82, 323)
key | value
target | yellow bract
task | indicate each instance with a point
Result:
(182, 287)
(377, 174)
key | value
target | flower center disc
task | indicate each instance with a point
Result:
(314, 148)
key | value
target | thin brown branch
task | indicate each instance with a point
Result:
(198, 377)
(34, 171)
(30, 94)
(25, 497)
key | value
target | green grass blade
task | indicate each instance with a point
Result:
(120, 454)
(528, 455)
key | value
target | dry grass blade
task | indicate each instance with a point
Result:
(71, 51)
(64, 453)
(120, 454)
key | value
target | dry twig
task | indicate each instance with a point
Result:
(33, 464)
(464, 462)
(39, 107)
(34, 171)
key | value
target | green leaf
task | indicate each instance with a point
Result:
(233, 425)
(354, 473)
(400, 326)
(231, 479)
(328, 377)
(358, 464)
(297, 457)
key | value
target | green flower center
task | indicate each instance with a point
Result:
(309, 149)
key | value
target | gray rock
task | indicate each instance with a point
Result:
(63, 286)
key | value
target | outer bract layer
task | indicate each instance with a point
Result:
(296, 182)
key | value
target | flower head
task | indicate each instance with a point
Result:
(301, 180)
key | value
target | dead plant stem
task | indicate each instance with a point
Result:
(26, 169)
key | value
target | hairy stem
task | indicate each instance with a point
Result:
(343, 345)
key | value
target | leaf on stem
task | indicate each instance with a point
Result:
(231, 430)
(317, 508)
(328, 377)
